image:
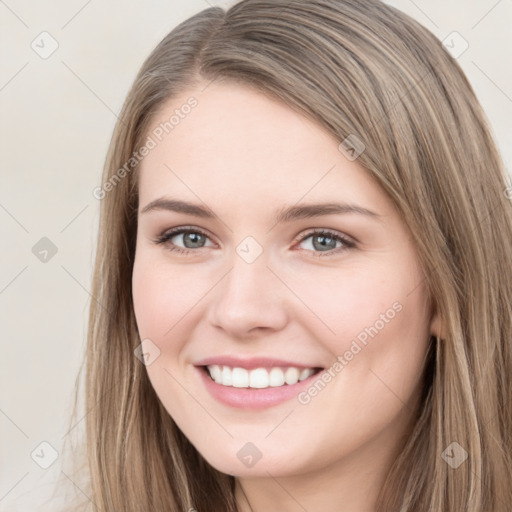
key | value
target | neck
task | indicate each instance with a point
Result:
(308, 492)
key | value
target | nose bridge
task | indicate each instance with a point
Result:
(249, 295)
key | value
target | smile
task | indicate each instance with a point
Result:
(259, 378)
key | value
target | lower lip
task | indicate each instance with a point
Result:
(253, 398)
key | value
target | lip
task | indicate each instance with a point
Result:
(251, 363)
(253, 398)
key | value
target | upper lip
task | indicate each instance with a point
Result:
(250, 363)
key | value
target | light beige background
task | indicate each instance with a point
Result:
(57, 115)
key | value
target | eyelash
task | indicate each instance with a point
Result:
(348, 244)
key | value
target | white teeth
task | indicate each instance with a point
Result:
(259, 377)
(307, 372)
(239, 377)
(215, 373)
(226, 377)
(291, 376)
(276, 377)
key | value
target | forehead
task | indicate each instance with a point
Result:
(237, 144)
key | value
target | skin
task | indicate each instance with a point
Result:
(244, 156)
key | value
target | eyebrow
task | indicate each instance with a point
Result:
(286, 214)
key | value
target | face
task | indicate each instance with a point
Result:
(264, 251)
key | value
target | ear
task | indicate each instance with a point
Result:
(436, 323)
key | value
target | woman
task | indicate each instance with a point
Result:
(303, 282)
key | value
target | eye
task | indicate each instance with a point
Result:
(320, 242)
(191, 238)
(326, 243)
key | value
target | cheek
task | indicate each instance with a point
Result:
(163, 296)
(381, 334)
(165, 302)
(343, 301)
(375, 317)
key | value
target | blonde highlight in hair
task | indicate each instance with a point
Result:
(357, 68)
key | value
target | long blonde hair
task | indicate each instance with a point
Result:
(360, 68)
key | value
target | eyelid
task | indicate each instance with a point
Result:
(325, 231)
(169, 233)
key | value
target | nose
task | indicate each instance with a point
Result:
(249, 299)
